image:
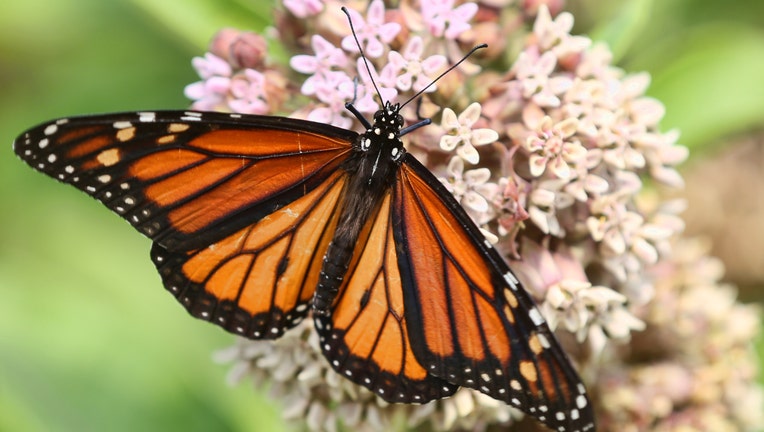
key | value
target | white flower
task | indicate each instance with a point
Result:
(459, 133)
(411, 70)
(472, 189)
(551, 147)
(534, 73)
(555, 34)
(586, 310)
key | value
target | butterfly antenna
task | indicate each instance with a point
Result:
(363, 55)
(454, 66)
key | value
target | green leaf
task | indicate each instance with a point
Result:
(197, 20)
(621, 29)
(714, 86)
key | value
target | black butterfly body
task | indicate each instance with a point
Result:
(258, 220)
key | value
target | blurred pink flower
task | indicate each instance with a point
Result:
(555, 34)
(211, 92)
(411, 70)
(442, 19)
(459, 133)
(321, 65)
(373, 32)
(248, 93)
(533, 74)
(304, 8)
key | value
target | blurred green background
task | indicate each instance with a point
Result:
(89, 340)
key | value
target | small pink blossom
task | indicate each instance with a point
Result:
(248, 93)
(240, 49)
(662, 154)
(384, 80)
(634, 86)
(597, 63)
(326, 58)
(304, 8)
(472, 189)
(555, 34)
(413, 72)
(551, 147)
(331, 89)
(327, 115)
(334, 91)
(645, 111)
(610, 223)
(533, 73)
(443, 20)
(459, 133)
(541, 268)
(623, 231)
(616, 142)
(211, 66)
(211, 93)
(373, 32)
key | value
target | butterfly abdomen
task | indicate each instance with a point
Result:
(372, 170)
(332, 272)
(361, 202)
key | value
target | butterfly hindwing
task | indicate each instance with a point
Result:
(187, 179)
(365, 337)
(468, 319)
(259, 281)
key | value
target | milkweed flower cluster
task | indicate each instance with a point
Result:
(548, 148)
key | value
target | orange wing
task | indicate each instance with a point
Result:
(468, 320)
(187, 179)
(259, 281)
(365, 337)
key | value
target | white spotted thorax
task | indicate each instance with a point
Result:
(385, 132)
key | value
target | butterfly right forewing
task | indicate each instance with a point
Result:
(469, 320)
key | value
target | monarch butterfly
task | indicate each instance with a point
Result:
(258, 220)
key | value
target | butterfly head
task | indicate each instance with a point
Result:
(384, 135)
(389, 118)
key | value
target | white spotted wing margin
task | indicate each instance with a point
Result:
(186, 179)
(469, 321)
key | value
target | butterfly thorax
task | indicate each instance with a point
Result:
(372, 169)
(379, 150)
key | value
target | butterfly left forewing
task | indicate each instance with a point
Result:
(469, 321)
(364, 337)
(186, 179)
(259, 281)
